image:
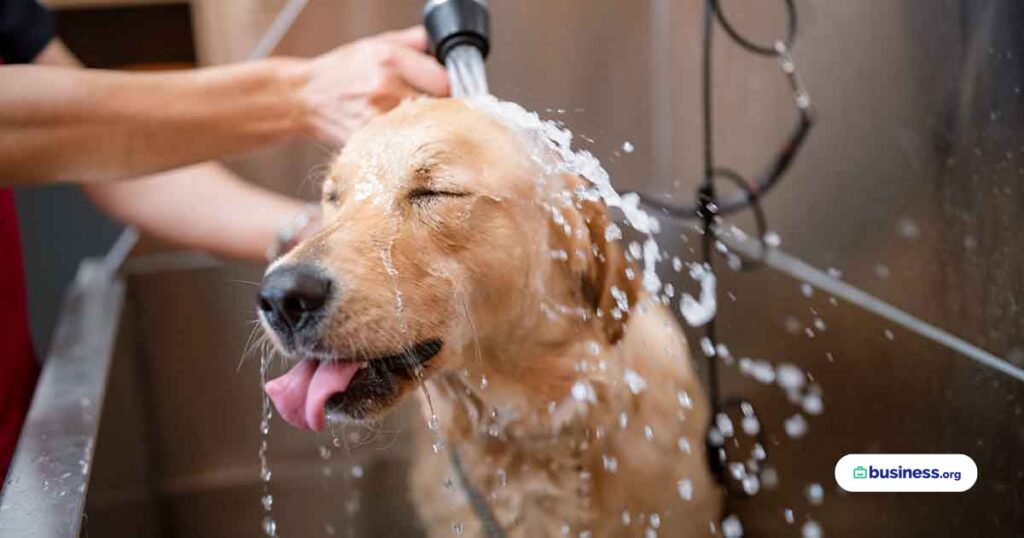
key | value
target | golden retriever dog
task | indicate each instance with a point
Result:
(454, 265)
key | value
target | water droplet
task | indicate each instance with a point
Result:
(357, 471)
(724, 424)
(707, 347)
(811, 529)
(627, 147)
(432, 423)
(732, 527)
(636, 383)
(788, 514)
(684, 399)
(684, 445)
(889, 335)
(685, 488)
(269, 526)
(908, 228)
(621, 299)
(806, 289)
(698, 312)
(457, 527)
(772, 239)
(762, 371)
(796, 426)
(815, 494)
(790, 377)
(751, 426)
(751, 484)
(812, 404)
(267, 501)
(803, 100)
(612, 233)
(325, 453)
(582, 391)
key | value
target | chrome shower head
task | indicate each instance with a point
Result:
(454, 23)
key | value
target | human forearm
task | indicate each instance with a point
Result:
(71, 124)
(205, 206)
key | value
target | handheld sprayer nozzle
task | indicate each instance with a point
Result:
(454, 23)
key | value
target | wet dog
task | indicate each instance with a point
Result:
(452, 258)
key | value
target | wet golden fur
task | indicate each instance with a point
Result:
(439, 224)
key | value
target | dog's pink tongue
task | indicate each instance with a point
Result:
(300, 394)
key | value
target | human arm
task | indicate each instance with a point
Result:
(204, 206)
(61, 124)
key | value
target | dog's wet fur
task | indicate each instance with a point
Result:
(438, 232)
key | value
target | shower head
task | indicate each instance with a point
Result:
(453, 23)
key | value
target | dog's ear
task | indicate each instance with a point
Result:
(608, 280)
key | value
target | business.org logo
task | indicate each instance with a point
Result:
(906, 472)
(900, 472)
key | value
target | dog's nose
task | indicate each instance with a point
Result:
(292, 295)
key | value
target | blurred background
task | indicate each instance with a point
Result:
(911, 188)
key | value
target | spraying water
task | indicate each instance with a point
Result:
(467, 73)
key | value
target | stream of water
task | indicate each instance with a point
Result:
(467, 72)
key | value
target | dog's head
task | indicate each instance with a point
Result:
(445, 244)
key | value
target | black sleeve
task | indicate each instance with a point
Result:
(25, 29)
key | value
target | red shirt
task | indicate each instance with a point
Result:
(26, 27)
(18, 367)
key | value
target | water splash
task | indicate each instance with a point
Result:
(551, 148)
(698, 312)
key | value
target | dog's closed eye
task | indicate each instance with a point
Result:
(427, 194)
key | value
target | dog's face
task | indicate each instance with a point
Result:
(444, 243)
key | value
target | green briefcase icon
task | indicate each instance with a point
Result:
(860, 472)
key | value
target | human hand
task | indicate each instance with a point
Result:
(348, 86)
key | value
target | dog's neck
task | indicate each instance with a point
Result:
(531, 396)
